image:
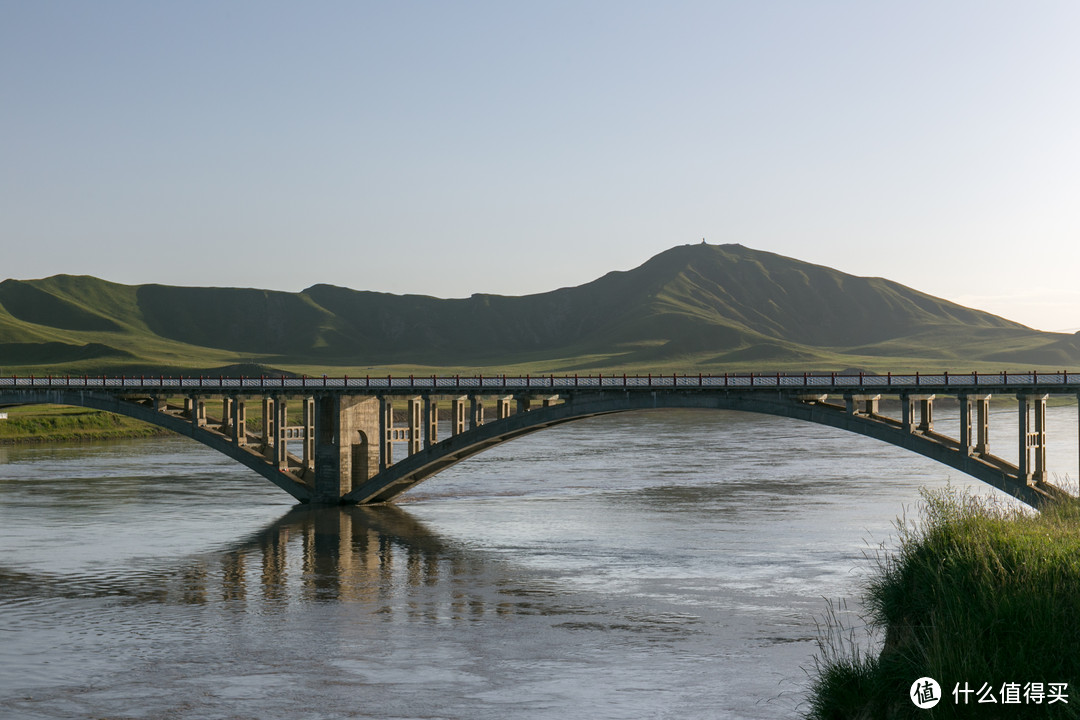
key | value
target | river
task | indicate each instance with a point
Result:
(667, 564)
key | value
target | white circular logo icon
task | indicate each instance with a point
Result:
(925, 693)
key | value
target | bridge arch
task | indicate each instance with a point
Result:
(416, 468)
(348, 431)
(131, 408)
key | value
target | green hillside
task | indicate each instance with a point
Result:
(694, 308)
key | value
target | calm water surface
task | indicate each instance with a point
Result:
(653, 565)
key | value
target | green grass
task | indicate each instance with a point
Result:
(975, 593)
(54, 423)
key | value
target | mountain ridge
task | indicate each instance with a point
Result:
(701, 307)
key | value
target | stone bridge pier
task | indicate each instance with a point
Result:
(346, 443)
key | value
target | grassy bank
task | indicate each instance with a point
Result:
(54, 423)
(976, 594)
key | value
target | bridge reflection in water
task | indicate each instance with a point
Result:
(318, 554)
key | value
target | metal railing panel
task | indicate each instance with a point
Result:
(539, 384)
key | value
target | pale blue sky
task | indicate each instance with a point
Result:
(447, 148)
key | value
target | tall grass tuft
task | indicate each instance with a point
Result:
(977, 596)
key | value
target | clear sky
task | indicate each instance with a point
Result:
(512, 147)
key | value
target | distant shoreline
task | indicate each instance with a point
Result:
(61, 438)
(47, 424)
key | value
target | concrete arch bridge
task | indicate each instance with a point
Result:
(348, 429)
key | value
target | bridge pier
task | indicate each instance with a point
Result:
(239, 422)
(502, 406)
(861, 404)
(1032, 442)
(982, 437)
(476, 412)
(431, 420)
(267, 425)
(525, 403)
(309, 436)
(415, 404)
(386, 432)
(195, 410)
(457, 412)
(347, 436)
(281, 433)
(974, 444)
(926, 413)
(226, 415)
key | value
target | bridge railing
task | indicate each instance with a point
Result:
(541, 383)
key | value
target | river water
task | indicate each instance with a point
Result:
(667, 564)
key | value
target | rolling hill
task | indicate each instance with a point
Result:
(691, 308)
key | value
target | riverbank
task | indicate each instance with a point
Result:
(57, 423)
(978, 597)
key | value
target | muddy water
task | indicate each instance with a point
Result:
(652, 565)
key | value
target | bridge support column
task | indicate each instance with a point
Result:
(982, 425)
(239, 421)
(861, 404)
(195, 411)
(414, 425)
(1040, 432)
(966, 445)
(1032, 470)
(524, 403)
(974, 442)
(458, 412)
(267, 425)
(346, 436)
(476, 412)
(309, 435)
(431, 420)
(386, 432)
(226, 415)
(281, 429)
(503, 406)
(926, 414)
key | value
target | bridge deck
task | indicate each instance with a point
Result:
(1054, 383)
(349, 427)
